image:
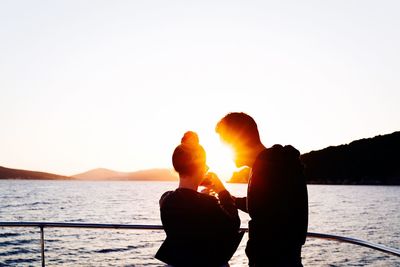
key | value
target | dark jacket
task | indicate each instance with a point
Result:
(201, 229)
(277, 203)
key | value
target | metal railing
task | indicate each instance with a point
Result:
(42, 225)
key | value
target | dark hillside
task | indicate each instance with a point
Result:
(366, 161)
(7, 173)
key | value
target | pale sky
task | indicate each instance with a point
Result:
(115, 84)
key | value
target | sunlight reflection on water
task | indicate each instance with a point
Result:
(368, 212)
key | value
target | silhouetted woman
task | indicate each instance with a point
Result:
(202, 230)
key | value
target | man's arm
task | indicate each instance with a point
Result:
(241, 203)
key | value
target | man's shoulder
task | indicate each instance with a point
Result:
(288, 149)
(279, 152)
(277, 156)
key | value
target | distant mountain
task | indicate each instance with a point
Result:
(241, 176)
(7, 173)
(367, 161)
(96, 174)
(143, 175)
(100, 174)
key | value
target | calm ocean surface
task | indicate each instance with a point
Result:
(371, 213)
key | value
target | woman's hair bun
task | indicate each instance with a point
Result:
(190, 138)
(189, 157)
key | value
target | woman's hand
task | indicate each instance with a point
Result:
(214, 182)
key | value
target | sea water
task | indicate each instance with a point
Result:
(370, 213)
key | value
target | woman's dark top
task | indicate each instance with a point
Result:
(201, 229)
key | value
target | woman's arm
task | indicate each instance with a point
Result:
(226, 201)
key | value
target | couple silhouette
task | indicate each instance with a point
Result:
(203, 229)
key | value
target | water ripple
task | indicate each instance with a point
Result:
(110, 250)
(5, 235)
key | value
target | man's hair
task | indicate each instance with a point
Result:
(189, 156)
(238, 127)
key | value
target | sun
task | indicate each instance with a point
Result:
(219, 158)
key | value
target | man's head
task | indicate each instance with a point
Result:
(239, 130)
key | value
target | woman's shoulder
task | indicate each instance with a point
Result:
(177, 195)
(183, 196)
(164, 197)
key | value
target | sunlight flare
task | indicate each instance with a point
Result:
(220, 159)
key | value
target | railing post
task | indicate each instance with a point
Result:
(42, 244)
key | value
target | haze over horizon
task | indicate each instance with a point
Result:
(115, 85)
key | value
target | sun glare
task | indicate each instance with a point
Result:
(220, 159)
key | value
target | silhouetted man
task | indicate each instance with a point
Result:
(276, 201)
